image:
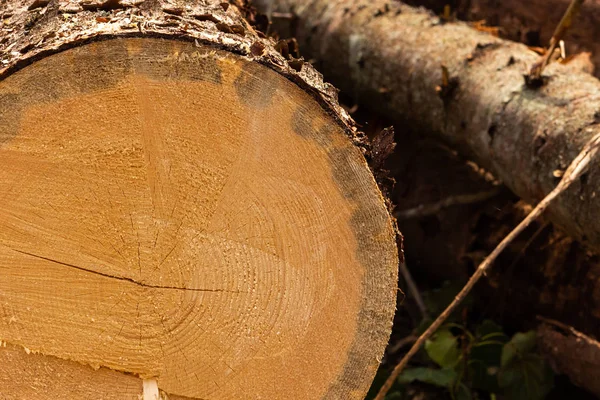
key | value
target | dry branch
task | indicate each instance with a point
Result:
(390, 54)
(556, 40)
(432, 209)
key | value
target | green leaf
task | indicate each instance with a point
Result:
(394, 396)
(443, 349)
(484, 358)
(438, 377)
(519, 345)
(526, 378)
(524, 375)
(489, 329)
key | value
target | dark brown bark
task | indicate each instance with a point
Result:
(531, 22)
(390, 55)
(572, 353)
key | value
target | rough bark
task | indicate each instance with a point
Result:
(184, 205)
(531, 22)
(572, 353)
(390, 55)
(33, 29)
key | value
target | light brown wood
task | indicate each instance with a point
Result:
(178, 213)
(44, 377)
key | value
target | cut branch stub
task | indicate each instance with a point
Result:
(179, 213)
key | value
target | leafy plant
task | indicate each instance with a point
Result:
(469, 364)
(443, 349)
(439, 377)
(524, 375)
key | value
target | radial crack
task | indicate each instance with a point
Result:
(123, 278)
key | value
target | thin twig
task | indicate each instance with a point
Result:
(561, 29)
(413, 289)
(556, 323)
(570, 329)
(423, 210)
(575, 169)
(281, 15)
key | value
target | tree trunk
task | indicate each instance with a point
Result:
(532, 22)
(182, 211)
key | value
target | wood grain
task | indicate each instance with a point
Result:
(178, 213)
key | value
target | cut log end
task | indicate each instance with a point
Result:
(180, 215)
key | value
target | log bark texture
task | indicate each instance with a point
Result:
(572, 353)
(390, 55)
(182, 209)
(531, 22)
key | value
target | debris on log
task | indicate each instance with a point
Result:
(532, 22)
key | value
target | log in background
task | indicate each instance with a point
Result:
(531, 22)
